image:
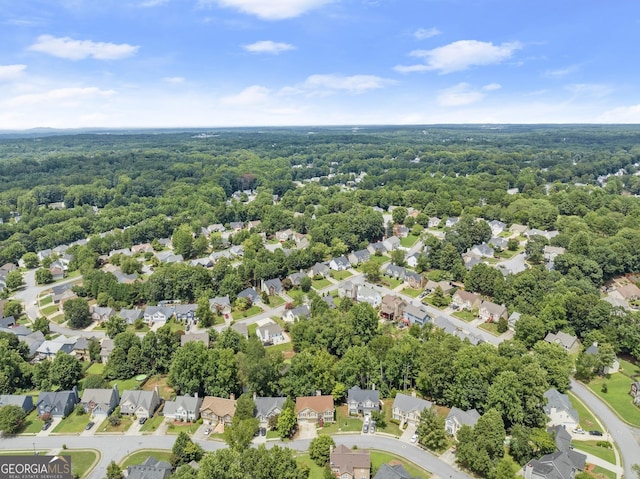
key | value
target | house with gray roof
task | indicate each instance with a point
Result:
(296, 314)
(183, 408)
(157, 314)
(498, 242)
(396, 471)
(131, 315)
(139, 403)
(407, 409)
(391, 243)
(272, 286)
(363, 401)
(339, 263)
(106, 346)
(497, 227)
(377, 248)
(458, 418)
(7, 322)
(609, 369)
(50, 347)
(559, 410)
(319, 270)
(22, 401)
(359, 257)
(492, 312)
(100, 313)
(33, 341)
(267, 407)
(250, 294)
(58, 403)
(100, 402)
(365, 294)
(151, 468)
(195, 337)
(296, 278)
(413, 314)
(482, 250)
(568, 342)
(562, 464)
(270, 333)
(186, 313)
(451, 221)
(395, 271)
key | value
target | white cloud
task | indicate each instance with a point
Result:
(249, 96)
(353, 84)
(271, 9)
(60, 96)
(71, 49)
(561, 72)
(589, 90)
(492, 87)
(11, 72)
(420, 67)
(622, 114)
(174, 80)
(461, 55)
(422, 33)
(153, 3)
(459, 95)
(267, 46)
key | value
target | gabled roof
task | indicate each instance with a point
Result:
(388, 471)
(249, 293)
(130, 315)
(355, 394)
(470, 417)
(493, 308)
(101, 397)
(407, 404)
(139, 398)
(466, 296)
(315, 403)
(560, 402)
(199, 337)
(151, 310)
(219, 406)
(274, 283)
(150, 469)
(347, 460)
(417, 311)
(219, 302)
(186, 402)
(562, 338)
(266, 406)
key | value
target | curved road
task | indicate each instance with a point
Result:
(620, 432)
(116, 447)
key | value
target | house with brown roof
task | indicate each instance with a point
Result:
(315, 408)
(346, 463)
(629, 292)
(492, 312)
(465, 300)
(392, 307)
(215, 410)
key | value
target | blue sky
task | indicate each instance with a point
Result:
(212, 63)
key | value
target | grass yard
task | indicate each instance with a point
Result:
(178, 427)
(59, 318)
(491, 328)
(601, 472)
(618, 397)
(47, 310)
(46, 300)
(409, 241)
(378, 458)
(629, 369)
(144, 329)
(175, 326)
(344, 422)
(72, 424)
(138, 457)
(252, 311)
(82, 460)
(315, 471)
(391, 283)
(340, 275)
(273, 435)
(166, 391)
(152, 423)
(124, 384)
(587, 420)
(283, 347)
(391, 428)
(251, 329)
(318, 284)
(591, 447)
(95, 368)
(414, 293)
(464, 315)
(125, 424)
(23, 453)
(506, 254)
(32, 424)
(275, 301)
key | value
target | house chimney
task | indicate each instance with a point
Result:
(318, 392)
(232, 396)
(373, 387)
(254, 395)
(413, 394)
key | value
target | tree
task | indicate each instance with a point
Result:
(371, 270)
(305, 284)
(512, 244)
(438, 299)
(319, 449)
(76, 313)
(66, 371)
(41, 324)
(506, 469)
(364, 321)
(203, 312)
(115, 325)
(240, 433)
(182, 241)
(398, 257)
(11, 419)
(530, 330)
(398, 214)
(43, 276)
(431, 431)
(520, 446)
(30, 260)
(287, 421)
(114, 471)
(14, 280)
(503, 325)
(245, 407)
(12, 308)
(185, 450)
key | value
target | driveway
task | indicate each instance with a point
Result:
(307, 430)
(408, 432)
(54, 422)
(134, 429)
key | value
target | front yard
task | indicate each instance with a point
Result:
(391, 283)
(275, 301)
(318, 284)
(409, 241)
(617, 396)
(465, 315)
(340, 275)
(125, 423)
(138, 457)
(152, 423)
(491, 328)
(74, 423)
(344, 422)
(587, 420)
(414, 293)
(178, 427)
(32, 424)
(591, 447)
(252, 311)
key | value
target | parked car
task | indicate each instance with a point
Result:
(263, 431)
(365, 428)
(372, 427)
(414, 438)
(89, 425)
(142, 420)
(578, 430)
(207, 431)
(46, 425)
(595, 432)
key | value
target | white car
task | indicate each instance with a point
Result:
(578, 430)
(414, 438)
(207, 431)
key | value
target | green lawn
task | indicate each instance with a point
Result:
(344, 422)
(125, 424)
(284, 347)
(273, 435)
(275, 301)
(251, 329)
(414, 293)
(152, 423)
(47, 310)
(340, 275)
(603, 473)
(491, 328)
(252, 311)
(590, 447)
(138, 457)
(46, 300)
(409, 241)
(506, 254)
(321, 283)
(124, 384)
(160, 381)
(379, 260)
(32, 424)
(618, 397)
(95, 368)
(58, 318)
(587, 420)
(315, 471)
(629, 369)
(378, 458)
(465, 315)
(74, 423)
(82, 460)
(177, 427)
(175, 326)
(391, 283)
(391, 428)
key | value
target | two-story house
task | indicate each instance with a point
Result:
(183, 408)
(270, 333)
(346, 463)
(415, 315)
(58, 403)
(559, 410)
(492, 312)
(363, 401)
(217, 410)
(315, 408)
(139, 403)
(392, 307)
(407, 409)
(458, 418)
(157, 314)
(464, 300)
(268, 407)
(100, 402)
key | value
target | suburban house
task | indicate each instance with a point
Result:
(157, 314)
(451, 220)
(434, 222)
(347, 289)
(296, 278)
(415, 315)
(492, 312)
(634, 391)
(392, 307)
(197, 337)
(186, 313)
(319, 270)
(557, 465)
(340, 263)
(250, 294)
(407, 409)
(183, 408)
(560, 410)
(272, 286)
(368, 295)
(415, 280)
(49, 348)
(609, 369)
(151, 468)
(215, 410)
(550, 252)
(498, 242)
(58, 404)
(363, 401)
(24, 402)
(545, 234)
(482, 250)
(100, 402)
(497, 227)
(359, 257)
(628, 292)
(465, 300)
(81, 348)
(131, 315)
(7, 322)
(391, 243)
(57, 270)
(446, 286)
(395, 271)
(458, 418)
(569, 342)
(377, 248)
(315, 408)
(346, 463)
(267, 408)
(412, 260)
(106, 346)
(139, 403)
(221, 305)
(513, 319)
(141, 248)
(396, 471)
(270, 333)
(296, 314)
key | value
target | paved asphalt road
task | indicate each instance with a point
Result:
(620, 432)
(117, 447)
